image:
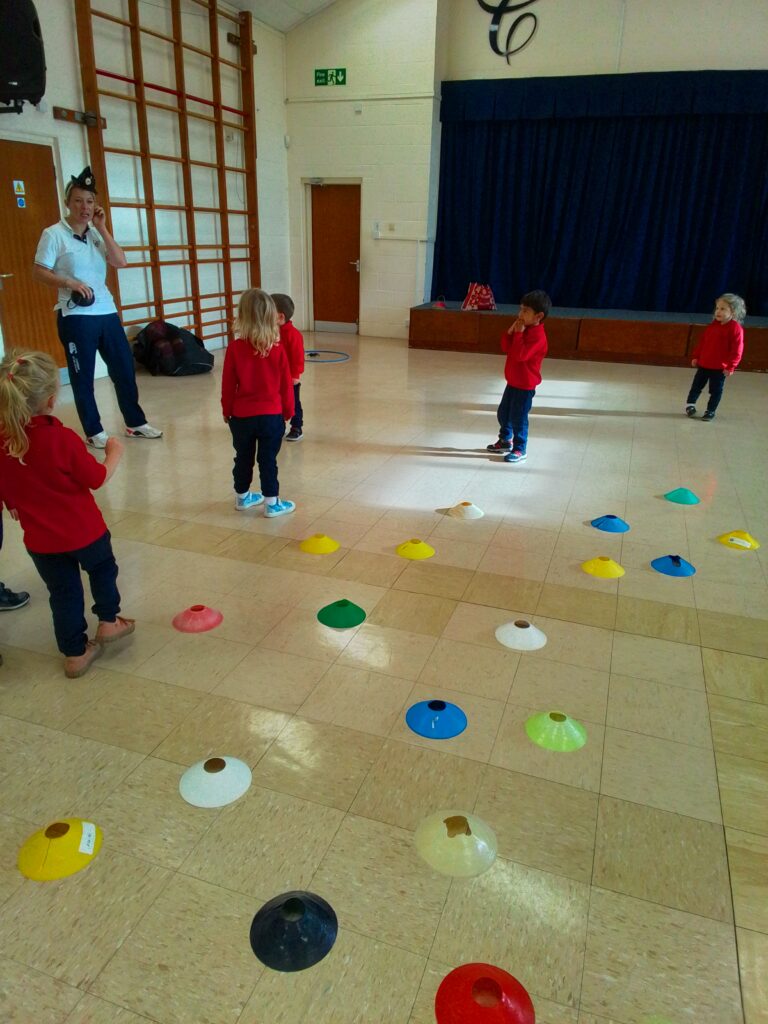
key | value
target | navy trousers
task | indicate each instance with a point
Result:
(513, 416)
(257, 439)
(84, 336)
(61, 574)
(716, 381)
(298, 417)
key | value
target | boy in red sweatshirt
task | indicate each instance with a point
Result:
(526, 345)
(292, 341)
(718, 353)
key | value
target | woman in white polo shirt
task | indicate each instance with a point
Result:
(73, 256)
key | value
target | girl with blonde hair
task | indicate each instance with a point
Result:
(46, 479)
(256, 401)
(717, 353)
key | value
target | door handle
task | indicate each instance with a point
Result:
(355, 264)
(3, 276)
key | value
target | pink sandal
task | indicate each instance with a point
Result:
(77, 665)
(108, 632)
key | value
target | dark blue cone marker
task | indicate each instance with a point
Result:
(436, 719)
(293, 931)
(610, 524)
(673, 565)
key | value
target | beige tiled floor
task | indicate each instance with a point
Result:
(632, 876)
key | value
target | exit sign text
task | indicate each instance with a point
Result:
(330, 76)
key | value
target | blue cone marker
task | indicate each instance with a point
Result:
(436, 719)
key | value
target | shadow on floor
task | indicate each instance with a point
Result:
(539, 410)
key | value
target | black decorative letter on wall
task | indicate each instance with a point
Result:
(520, 32)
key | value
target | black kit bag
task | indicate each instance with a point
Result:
(170, 351)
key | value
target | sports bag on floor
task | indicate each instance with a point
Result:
(171, 351)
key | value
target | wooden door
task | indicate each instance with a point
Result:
(26, 307)
(336, 257)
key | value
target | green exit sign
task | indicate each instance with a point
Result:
(330, 76)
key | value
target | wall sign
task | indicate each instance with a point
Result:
(520, 31)
(330, 76)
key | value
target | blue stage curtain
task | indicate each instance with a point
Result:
(645, 192)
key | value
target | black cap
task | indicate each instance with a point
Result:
(84, 179)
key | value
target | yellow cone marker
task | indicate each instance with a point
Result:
(415, 549)
(604, 567)
(63, 848)
(739, 539)
(319, 544)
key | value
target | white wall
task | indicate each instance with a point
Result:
(272, 162)
(388, 48)
(592, 37)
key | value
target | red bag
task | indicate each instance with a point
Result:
(479, 296)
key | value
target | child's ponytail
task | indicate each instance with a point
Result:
(27, 382)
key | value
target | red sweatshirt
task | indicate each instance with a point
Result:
(51, 489)
(256, 385)
(525, 354)
(292, 341)
(720, 346)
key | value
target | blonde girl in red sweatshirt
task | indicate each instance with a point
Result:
(256, 400)
(718, 353)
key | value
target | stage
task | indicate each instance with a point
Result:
(602, 335)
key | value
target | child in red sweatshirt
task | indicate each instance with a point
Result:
(718, 353)
(526, 345)
(256, 400)
(292, 341)
(46, 479)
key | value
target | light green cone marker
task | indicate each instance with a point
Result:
(555, 731)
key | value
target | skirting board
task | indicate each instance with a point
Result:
(334, 327)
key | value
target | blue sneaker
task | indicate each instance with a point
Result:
(251, 500)
(280, 508)
(515, 456)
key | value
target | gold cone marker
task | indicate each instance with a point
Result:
(62, 849)
(415, 549)
(603, 567)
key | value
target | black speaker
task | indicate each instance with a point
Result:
(22, 57)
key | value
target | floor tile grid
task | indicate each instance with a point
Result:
(137, 671)
(746, 1010)
(723, 829)
(172, 876)
(586, 932)
(594, 854)
(349, 927)
(458, 882)
(745, 994)
(358, 788)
